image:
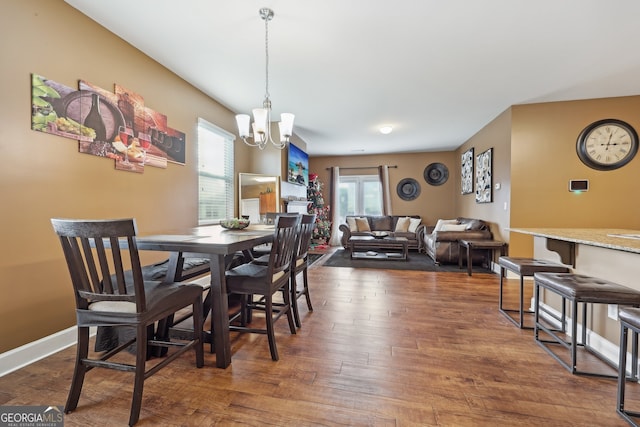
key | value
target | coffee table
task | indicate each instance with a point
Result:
(386, 248)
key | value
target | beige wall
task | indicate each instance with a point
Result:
(43, 176)
(495, 135)
(544, 159)
(534, 157)
(433, 202)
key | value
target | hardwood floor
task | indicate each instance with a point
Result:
(381, 348)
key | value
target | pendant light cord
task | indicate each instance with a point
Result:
(266, 55)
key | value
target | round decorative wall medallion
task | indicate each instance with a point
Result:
(436, 174)
(408, 189)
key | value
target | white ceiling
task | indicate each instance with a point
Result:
(437, 70)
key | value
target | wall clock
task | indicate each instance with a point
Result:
(607, 144)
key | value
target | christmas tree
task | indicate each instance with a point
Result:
(322, 230)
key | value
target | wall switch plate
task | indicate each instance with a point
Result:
(612, 311)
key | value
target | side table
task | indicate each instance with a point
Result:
(487, 245)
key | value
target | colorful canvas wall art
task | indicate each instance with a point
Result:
(116, 125)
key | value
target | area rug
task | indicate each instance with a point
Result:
(417, 261)
(311, 258)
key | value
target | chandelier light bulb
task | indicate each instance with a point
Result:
(243, 121)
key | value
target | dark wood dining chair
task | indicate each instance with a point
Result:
(96, 255)
(300, 264)
(266, 280)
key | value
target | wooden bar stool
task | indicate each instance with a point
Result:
(629, 319)
(578, 289)
(524, 267)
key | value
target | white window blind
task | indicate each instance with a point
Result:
(215, 173)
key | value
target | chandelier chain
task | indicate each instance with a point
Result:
(262, 116)
(266, 50)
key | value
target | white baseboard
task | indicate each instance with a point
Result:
(27, 354)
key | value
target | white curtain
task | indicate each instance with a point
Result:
(383, 171)
(335, 199)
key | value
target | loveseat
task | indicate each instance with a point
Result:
(442, 245)
(410, 227)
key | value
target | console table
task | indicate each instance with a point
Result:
(487, 245)
(363, 247)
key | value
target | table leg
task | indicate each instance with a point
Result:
(219, 311)
(174, 267)
(469, 260)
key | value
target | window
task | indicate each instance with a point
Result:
(215, 173)
(359, 195)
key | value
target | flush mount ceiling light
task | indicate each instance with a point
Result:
(386, 129)
(262, 116)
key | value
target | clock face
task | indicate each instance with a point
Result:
(607, 144)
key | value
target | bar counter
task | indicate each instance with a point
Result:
(610, 254)
(609, 238)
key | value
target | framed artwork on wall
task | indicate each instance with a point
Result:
(110, 124)
(467, 171)
(298, 166)
(484, 177)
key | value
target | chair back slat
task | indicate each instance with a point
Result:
(94, 252)
(118, 267)
(98, 285)
(307, 224)
(283, 246)
(136, 270)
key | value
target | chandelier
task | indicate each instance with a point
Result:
(261, 125)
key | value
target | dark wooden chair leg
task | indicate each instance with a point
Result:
(198, 325)
(294, 298)
(138, 382)
(268, 306)
(287, 306)
(79, 371)
(306, 289)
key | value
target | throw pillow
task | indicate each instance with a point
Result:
(413, 224)
(380, 223)
(454, 227)
(402, 225)
(363, 224)
(442, 222)
(475, 225)
(351, 222)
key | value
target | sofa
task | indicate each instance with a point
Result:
(410, 227)
(441, 243)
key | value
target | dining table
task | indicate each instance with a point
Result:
(217, 244)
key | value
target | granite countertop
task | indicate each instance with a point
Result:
(611, 238)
